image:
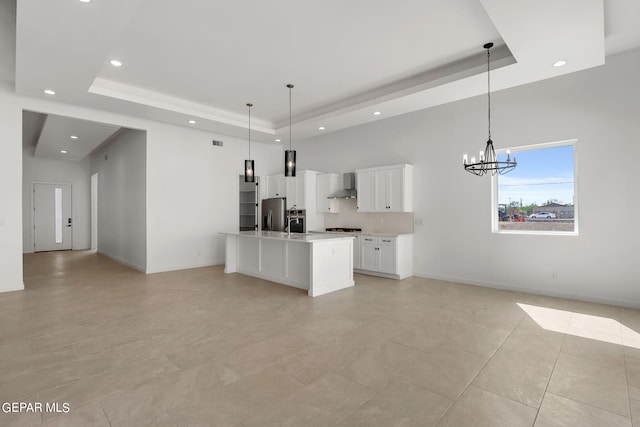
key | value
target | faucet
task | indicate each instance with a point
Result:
(291, 217)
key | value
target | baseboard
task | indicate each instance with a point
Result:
(331, 287)
(380, 274)
(534, 291)
(124, 261)
(182, 267)
(18, 287)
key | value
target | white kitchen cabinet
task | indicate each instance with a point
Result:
(326, 184)
(387, 253)
(356, 252)
(365, 190)
(306, 199)
(386, 256)
(276, 186)
(369, 254)
(282, 186)
(385, 189)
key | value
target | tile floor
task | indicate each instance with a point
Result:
(198, 347)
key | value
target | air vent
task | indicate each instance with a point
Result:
(218, 143)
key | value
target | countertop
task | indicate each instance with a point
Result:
(360, 233)
(298, 237)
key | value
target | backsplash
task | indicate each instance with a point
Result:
(382, 222)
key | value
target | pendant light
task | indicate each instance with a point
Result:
(487, 160)
(248, 164)
(290, 155)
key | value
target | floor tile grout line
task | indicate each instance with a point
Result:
(478, 373)
(626, 377)
(555, 363)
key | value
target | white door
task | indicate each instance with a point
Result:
(51, 217)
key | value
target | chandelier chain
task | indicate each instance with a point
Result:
(489, 88)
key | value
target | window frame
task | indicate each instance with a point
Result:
(495, 223)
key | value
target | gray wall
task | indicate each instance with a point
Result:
(122, 226)
(41, 170)
(600, 107)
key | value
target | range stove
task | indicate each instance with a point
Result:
(343, 229)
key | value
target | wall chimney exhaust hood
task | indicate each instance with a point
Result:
(349, 191)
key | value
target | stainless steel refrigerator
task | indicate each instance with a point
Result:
(274, 214)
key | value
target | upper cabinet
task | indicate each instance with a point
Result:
(365, 190)
(282, 186)
(326, 184)
(385, 189)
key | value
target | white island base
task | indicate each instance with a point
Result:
(318, 263)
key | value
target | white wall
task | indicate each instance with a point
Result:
(35, 169)
(599, 107)
(11, 191)
(171, 242)
(192, 189)
(122, 217)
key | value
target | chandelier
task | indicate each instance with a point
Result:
(487, 161)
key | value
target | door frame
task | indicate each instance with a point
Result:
(33, 210)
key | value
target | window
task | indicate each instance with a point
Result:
(539, 195)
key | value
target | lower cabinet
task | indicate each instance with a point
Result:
(386, 256)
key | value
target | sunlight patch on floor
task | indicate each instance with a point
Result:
(583, 325)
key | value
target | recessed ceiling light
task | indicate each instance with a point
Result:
(193, 122)
(277, 140)
(559, 63)
(321, 128)
(376, 113)
(73, 137)
(115, 63)
(63, 151)
(85, 1)
(49, 92)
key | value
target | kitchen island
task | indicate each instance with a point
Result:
(318, 263)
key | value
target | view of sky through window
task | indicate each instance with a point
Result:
(542, 175)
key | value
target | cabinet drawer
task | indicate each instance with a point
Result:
(368, 240)
(387, 241)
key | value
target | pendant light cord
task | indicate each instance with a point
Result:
(249, 105)
(489, 89)
(290, 86)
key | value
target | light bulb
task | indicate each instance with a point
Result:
(290, 164)
(465, 159)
